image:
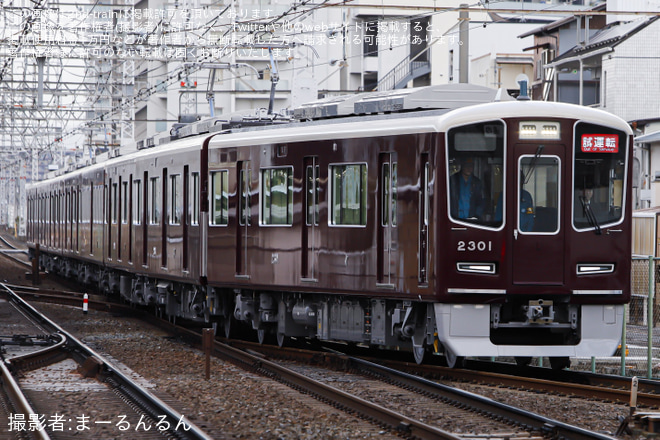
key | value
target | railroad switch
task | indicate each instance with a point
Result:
(26, 340)
(645, 423)
(641, 424)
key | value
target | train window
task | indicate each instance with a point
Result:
(220, 196)
(427, 197)
(348, 194)
(313, 190)
(124, 202)
(137, 201)
(176, 205)
(389, 194)
(194, 217)
(115, 205)
(277, 196)
(475, 170)
(155, 199)
(599, 176)
(245, 176)
(538, 195)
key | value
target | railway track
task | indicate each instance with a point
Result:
(113, 388)
(404, 425)
(532, 424)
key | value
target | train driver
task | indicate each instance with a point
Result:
(526, 211)
(585, 201)
(466, 189)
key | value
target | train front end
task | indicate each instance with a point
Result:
(536, 255)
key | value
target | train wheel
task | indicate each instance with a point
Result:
(452, 360)
(282, 339)
(265, 335)
(261, 335)
(227, 325)
(419, 353)
(523, 361)
(559, 363)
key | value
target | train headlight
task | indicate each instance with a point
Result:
(539, 130)
(594, 269)
(486, 268)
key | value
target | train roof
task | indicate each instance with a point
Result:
(445, 96)
(419, 122)
(451, 105)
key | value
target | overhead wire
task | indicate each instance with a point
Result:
(216, 24)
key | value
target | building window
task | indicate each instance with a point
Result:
(277, 196)
(349, 194)
(370, 40)
(220, 197)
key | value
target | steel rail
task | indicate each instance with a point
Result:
(38, 358)
(572, 383)
(149, 402)
(19, 401)
(481, 404)
(398, 422)
(537, 422)
(404, 425)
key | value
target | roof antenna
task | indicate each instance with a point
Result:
(523, 91)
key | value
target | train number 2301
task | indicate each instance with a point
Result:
(475, 246)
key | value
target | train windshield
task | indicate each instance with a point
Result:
(475, 162)
(599, 176)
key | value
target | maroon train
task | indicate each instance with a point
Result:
(355, 229)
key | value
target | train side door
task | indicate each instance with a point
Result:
(310, 233)
(538, 235)
(244, 175)
(387, 219)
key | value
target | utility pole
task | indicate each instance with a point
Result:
(464, 43)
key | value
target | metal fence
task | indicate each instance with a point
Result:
(641, 332)
(641, 356)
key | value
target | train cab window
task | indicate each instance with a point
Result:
(219, 197)
(538, 195)
(599, 176)
(277, 196)
(137, 201)
(155, 199)
(348, 193)
(176, 205)
(475, 170)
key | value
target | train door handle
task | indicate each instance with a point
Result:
(515, 234)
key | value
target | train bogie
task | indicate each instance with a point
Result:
(494, 230)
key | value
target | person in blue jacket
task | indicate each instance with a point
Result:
(526, 211)
(466, 189)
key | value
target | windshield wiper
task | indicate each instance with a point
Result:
(532, 164)
(591, 217)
